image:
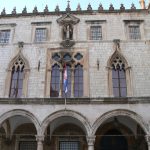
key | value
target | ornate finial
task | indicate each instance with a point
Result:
(133, 7)
(142, 3)
(122, 8)
(46, 9)
(57, 8)
(79, 7)
(14, 11)
(68, 6)
(35, 11)
(24, 11)
(100, 8)
(111, 7)
(3, 13)
(89, 8)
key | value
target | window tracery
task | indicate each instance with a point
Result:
(74, 74)
(17, 79)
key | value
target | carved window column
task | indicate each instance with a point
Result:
(39, 140)
(72, 81)
(147, 138)
(61, 83)
(90, 142)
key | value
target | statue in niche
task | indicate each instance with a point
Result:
(68, 32)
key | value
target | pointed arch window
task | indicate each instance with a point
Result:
(119, 78)
(17, 77)
(55, 81)
(78, 81)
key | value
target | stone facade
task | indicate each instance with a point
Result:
(85, 121)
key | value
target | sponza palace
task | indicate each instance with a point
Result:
(106, 54)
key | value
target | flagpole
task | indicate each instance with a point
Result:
(65, 101)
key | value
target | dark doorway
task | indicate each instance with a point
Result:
(113, 140)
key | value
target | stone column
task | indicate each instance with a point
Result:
(61, 83)
(72, 82)
(0, 141)
(147, 138)
(39, 140)
(90, 142)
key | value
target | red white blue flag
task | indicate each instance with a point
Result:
(65, 79)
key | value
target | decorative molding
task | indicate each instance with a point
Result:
(68, 19)
(41, 23)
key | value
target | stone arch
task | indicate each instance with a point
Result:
(120, 112)
(112, 57)
(67, 113)
(19, 55)
(23, 113)
(127, 69)
(9, 74)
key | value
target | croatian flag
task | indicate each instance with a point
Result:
(65, 79)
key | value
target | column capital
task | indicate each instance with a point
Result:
(90, 140)
(147, 138)
(39, 138)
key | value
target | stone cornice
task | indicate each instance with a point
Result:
(82, 12)
(72, 101)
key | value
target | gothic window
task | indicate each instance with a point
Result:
(55, 81)
(75, 80)
(4, 36)
(17, 79)
(134, 32)
(40, 34)
(95, 33)
(119, 78)
(78, 81)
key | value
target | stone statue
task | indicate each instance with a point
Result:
(67, 32)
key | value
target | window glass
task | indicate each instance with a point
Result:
(96, 33)
(134, 32)
(4, 36)
(40, 34)
(55, 81)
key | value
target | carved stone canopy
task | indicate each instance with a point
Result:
(68, 19)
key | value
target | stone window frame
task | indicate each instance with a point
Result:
(101, 23)
(10, 27)
(139, 23)
(9, 76)
(83, 62)
(40, 25)
(127, 73)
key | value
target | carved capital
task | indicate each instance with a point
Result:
(147, 138)
(39, 138)
(90, 140)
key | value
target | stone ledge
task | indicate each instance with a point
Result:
(72, 101)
